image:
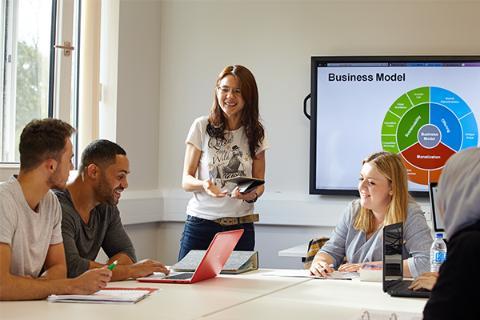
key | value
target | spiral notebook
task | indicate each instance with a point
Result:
(107, 295)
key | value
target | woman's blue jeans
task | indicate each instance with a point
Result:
(198, 233)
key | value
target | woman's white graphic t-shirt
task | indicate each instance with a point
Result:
(220, 160)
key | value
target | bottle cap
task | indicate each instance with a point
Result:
(438, 235)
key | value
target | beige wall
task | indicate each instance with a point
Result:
(276, 40)
(171, 52)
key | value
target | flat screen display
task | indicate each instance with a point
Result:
(423, 108)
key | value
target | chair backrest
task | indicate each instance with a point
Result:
(313, 246)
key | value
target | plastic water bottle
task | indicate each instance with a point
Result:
(438, 253)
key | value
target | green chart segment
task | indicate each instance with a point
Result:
(426, 126)
(410, 124)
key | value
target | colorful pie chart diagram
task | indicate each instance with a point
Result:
(426, 126)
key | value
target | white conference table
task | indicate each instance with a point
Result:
(171, 301)
(247, 296)
(323, 299)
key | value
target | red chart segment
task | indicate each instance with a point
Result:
(428, 159)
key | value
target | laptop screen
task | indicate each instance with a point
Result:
(437, 221)
(392, 253)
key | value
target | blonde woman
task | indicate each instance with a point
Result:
(384, 200)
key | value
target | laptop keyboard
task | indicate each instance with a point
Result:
(401, 290)
(181, 276)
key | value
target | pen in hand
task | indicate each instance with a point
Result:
(113, 265)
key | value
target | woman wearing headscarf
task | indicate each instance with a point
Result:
(455, 296)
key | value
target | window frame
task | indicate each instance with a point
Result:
(8, 9)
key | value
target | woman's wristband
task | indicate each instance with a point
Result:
(254, 199)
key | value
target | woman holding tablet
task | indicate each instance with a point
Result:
(384, 200)
(229, 143)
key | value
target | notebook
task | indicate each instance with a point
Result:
(211, 264)
(392, 278)
(107, 295)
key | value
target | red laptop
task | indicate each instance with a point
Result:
(212, 263)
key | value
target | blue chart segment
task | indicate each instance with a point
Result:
(453, 103)
(449, 100)
(426, 126)
(448, 124)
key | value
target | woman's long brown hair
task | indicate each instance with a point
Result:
(250, 115)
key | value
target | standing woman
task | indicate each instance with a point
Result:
(230, 142)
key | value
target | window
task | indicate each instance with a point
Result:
(36, 81)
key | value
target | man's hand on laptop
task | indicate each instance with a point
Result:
(424, 281)
(146, 267)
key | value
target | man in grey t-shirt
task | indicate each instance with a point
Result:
(32, 258)
(91, 219)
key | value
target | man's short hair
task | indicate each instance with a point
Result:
(41, 140)
(101, 153)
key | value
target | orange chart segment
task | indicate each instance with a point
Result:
(435, 175)
(415, 174)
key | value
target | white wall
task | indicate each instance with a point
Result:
(138, 104)
(170, 55)
(276, 39)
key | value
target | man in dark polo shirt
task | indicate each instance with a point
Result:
(91, 220)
